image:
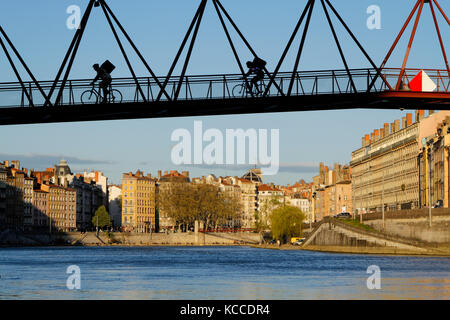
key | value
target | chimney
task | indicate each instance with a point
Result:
(367, 139)
(386, 129)
(382, 134)
(376, 134)
(409, 119)
(159, 174)
(397, 125)
(420, 115)
(7, 163)
(185, 173)
(403, 122)
(166, 173)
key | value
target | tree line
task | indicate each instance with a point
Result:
(186, 203)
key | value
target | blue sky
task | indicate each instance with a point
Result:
(38, 29)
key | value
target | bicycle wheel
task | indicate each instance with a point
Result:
(89, 97)
(115, 96)
(239, 91)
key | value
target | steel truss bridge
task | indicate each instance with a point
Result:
(378, 87)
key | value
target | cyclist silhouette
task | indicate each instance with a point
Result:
(255, 68)
(106, 80)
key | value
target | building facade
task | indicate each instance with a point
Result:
(89, 195)
(101, 181)
(386, 169)
(41, 217)
(3, 188)
(434, 166)
(297, 200)
(139, 202)
(268, 199)
(249, 202)
(332, 191)
(115, 205)
(61, 208)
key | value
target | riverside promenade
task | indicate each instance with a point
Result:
(8, 238)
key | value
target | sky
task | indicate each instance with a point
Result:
(39, 31)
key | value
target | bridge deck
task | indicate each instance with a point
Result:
(212, 107)
(217, 95)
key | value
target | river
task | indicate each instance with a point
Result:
(223, 273)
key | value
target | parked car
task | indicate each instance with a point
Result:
(299, 242)
(439, 204)
(343, 215)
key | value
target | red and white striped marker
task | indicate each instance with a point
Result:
(422, 83)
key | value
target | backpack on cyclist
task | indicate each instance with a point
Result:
(108, 66)
(260, 63)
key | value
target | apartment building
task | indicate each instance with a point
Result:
(139, 202)
(249, 202)
(115, 204)
(386, 170)
(3, 188)
(89, 195)
(304, 204)
(61, 207)
(332, 190)
(41, 217)
(101, 181)
(268, 199)
(434, 163)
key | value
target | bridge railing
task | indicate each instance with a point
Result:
(440, 77)
(224, 86)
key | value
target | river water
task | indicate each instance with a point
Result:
(223, 273)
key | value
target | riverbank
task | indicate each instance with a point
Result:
(441, 252)
(13, 239)
(122, 239)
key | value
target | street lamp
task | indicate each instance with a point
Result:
(429, 186)
(382, 198)
(313, 210)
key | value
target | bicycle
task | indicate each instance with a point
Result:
(242, 91)
(94, 96)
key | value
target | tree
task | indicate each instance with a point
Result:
(286, 222)
(262, 218)
(187, 203)
(104, 220)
